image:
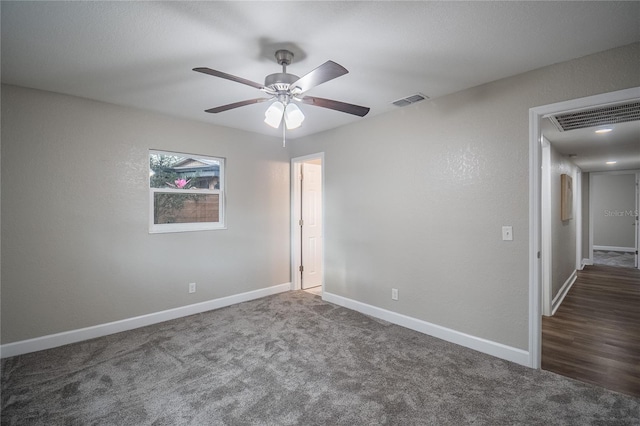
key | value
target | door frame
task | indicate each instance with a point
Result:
(536, 115)
(296, 235)
(547, 248)
(577, 202)
(638, 220)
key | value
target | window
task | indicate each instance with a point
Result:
(186, 192)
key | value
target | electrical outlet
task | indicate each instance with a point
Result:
(394, 293)
(192, 287)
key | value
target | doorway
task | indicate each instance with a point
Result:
(570, 341)
(536, 115)
(307, 223)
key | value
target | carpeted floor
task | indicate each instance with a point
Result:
(614, 258)
(291, 359)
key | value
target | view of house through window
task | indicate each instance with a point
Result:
(186, 192)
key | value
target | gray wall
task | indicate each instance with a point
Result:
(76, 251)
(455, 170)
(613, 198)
(563, 232)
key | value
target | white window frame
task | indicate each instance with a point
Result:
(193, 226)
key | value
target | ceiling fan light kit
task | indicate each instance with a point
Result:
(293, 116)
(273, 114)
(285, 88)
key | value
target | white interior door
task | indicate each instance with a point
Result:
(311, 205)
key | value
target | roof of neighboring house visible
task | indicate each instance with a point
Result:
(192, 163)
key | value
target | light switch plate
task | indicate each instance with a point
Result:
(507, 233)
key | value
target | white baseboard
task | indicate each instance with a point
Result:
(73, 336)
(614, 248)
(557, 301)
(519, 356)
(586, 262)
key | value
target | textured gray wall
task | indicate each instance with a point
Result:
(563, 232)
(76, 251)
(613, 197)
(415, 199)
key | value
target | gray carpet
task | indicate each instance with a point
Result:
(291, 359)
(614, 258)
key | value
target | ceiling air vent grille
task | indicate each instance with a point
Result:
(410, 100)
(611, 114)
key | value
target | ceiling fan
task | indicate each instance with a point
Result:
(285, 88)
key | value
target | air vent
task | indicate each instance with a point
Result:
(410, 100)
(611, 114)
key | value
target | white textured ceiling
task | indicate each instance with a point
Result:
(141, 54)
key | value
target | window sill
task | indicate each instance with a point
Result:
(184, 227)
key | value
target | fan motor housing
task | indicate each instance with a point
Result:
(280, 81)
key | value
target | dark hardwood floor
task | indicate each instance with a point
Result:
(594, 336)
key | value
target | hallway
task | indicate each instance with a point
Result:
(594, 336)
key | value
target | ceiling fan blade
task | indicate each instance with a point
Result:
(236, 105)
(325, 72)
(221, 74)
(336, 105)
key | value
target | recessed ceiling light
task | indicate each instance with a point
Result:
(611, 162)
(607, 130)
